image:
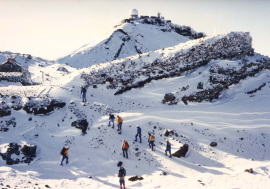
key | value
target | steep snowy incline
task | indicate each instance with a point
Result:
(130, 38)
(241, 133)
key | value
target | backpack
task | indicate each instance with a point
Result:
(111, 116)
(122, 172)
(62, 151)
(125, 145)
(152, 138)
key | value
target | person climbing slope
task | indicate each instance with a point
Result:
(119, 121)
(152, 141)
(125, 147)
(111, 120)
(139, 134)
(64, 153)
(83, 93)
(168, 148)
(149, 135)
(121, 174)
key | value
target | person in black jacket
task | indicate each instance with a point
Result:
(121, 175)
(83, 93)
(111, 120)
(139, 134)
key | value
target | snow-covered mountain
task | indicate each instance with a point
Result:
(133, 36)
(211, 94)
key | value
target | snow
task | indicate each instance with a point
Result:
(198, 124)
(237, 121)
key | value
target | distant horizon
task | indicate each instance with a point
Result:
(53, 29)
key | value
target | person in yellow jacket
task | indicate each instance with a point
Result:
(152, 141)
(119, 122)
(64, 153)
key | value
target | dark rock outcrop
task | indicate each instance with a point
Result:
(81, 124)
(42, 106)
(126, 75)
(169, 98)
(135, 178)
(16, 154)
(5, 110)
(181, 152)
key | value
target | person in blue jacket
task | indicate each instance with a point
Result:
(168, 148)
(139, 134)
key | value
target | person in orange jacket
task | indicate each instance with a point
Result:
(64, 153)
(119, 121)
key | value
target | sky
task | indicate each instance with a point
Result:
(54, 28)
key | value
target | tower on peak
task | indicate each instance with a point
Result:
(134, 13)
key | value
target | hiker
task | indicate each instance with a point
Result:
(125, 147)
(152, 141)
(64, 153)
(168, 148)
(149, 134)
(111, 120)
(139, 134)
(121, 175)
(83, 93)
(119, 121)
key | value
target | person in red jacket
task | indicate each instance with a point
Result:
(125, 147)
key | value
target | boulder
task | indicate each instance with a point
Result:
(169, 98)
(181, 152)
(135, 178)
(249, 170)
(81, 124)
(62, 69)
(213, 144)
(5, 110)
(168, 133)
(200, 85)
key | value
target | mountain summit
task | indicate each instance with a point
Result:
(135, 35)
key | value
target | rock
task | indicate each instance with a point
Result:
(181, 152)
(29, 151)
(5, 110)
(205, 95)
(14, 149)
(81, 124)
(5, 125)
(62, 69)
(249, 171)
(169, 98)
(168, 133)
(200, 85)
(164, 173)
(40, 106)
(135, 178)
(213, 144)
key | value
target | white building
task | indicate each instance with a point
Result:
(134, 13)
